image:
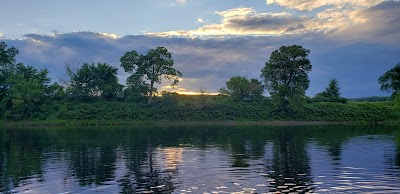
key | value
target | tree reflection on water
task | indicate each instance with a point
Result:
(151, 159)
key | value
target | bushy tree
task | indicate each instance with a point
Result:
(390, 81)
(28, 93)
(136, 89)
(331, 93)
(7, 65)
(286, 76)
(241, 88)
(94, 80)
(153, 68)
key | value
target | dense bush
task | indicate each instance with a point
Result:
(174, 107)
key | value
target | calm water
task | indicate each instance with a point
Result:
(323, 159)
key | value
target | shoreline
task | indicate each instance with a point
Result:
(91, 123)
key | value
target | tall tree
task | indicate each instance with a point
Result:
(91, 80)
(7, 65)
(286, 76)
(153, 67)
(241, 88)
(390, 81)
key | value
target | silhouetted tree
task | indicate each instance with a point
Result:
(92, 80)
(286, 76)
(331, 93)
(390, 81)
(153, 67)
(241, 88)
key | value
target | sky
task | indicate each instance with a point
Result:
(354, 41)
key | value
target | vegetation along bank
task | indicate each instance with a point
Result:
(92, 92)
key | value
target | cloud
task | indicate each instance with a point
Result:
(1, 35)
(313, 4)
(246, 21)
(241, 11)
(372, 22)
(200, 20)
(377, 24)
(179, 2)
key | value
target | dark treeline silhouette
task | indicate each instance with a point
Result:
(92, 92)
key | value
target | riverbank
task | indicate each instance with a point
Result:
(214, 110)
(93, 123)
(208, 111)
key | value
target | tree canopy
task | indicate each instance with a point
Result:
(286, 76)
(7, 65)
(241, 88)
(28, 92)
(153, 67)
(91, 80)
(390, 81)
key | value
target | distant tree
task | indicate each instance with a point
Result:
(241, 88)
(372, 99)
(91, 80)
(286, 76)
(153, 67)
(7, 65)
(333, 88)
(331, 93)
(390, 81)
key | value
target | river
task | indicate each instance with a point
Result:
(201, 159)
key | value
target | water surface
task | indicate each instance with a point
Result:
(202, 159)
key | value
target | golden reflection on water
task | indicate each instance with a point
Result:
(169, 158)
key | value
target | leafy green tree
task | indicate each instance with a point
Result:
(7, 65)
(27, 93)
(136, 89)
(331, 93)
(390, 81)
(241, 88)
(153, 67)
(91, 80)
(286, 76)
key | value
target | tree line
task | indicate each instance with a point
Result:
(26, 92)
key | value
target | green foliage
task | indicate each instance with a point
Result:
(286, 77)
(390, 81)
(175, 107)
(397, 101)
(93, 80)
(240, 88)
(7, 66)
(153, 67)
(28, 93)
(352, 111)
(331, 93)
(136, 89)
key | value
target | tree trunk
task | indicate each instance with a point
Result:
(151, 94)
